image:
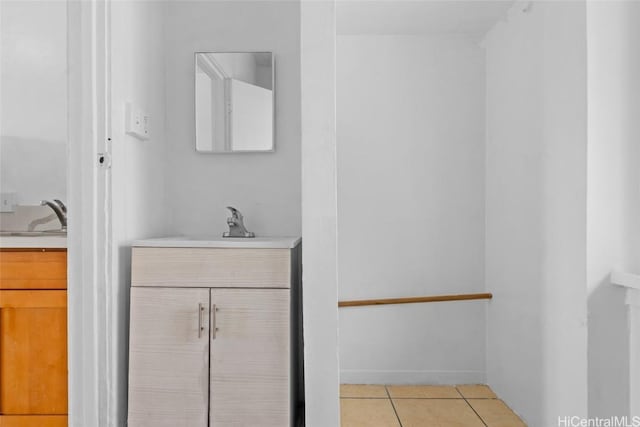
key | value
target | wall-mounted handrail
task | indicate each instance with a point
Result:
(410, 300)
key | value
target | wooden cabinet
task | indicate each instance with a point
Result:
(214, 337)
(33, 338)
(250, 366)
(168, 357)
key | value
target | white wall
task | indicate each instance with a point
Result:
(410, 129)
(33, 87)
(138, 184)
(265, 186)
(536, 210)
(613, 196)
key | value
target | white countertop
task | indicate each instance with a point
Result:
(254, 242)
(21, 242)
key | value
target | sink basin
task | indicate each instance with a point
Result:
(55, 239)
(33, 233)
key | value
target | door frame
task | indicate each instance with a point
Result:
(89, 224)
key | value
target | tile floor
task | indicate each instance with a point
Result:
(422, 406)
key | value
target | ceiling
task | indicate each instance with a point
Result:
(418, 16)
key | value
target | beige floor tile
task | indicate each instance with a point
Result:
(423, 391)
(496, 413)
(436, 413)
(363, 390)
(476, 391)
(367, 413)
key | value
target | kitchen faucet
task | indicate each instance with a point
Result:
(60, 209)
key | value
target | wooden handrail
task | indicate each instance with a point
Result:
(410, 300)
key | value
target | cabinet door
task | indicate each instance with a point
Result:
(169, 357)
(33, 357)
(250, 353)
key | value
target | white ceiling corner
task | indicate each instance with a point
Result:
(419, 16)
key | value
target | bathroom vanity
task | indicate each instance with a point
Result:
(33, 330)
(215, 333)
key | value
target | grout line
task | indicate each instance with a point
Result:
(361, 397)
(428, 398)
(480, 398)
(420, 398)
(393, 406)
(459, 392)
(473, 409)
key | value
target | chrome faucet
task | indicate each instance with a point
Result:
(60, 209)
(236, 225)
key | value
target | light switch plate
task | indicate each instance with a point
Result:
(8, 202)
(136, 121)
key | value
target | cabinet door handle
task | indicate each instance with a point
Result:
(213, 322)
(200, 325)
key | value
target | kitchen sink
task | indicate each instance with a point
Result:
(33, 233)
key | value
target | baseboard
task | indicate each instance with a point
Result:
(412, 377)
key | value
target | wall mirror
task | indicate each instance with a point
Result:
(234, 102)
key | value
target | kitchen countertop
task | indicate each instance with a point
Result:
(36, 242)
(185, 242)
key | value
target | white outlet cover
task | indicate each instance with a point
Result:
(8, 202)
(136, 121)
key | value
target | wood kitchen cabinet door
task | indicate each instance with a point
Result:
(250, 353)
(33, 358)
(169, 357)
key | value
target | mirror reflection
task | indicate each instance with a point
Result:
(234, 102)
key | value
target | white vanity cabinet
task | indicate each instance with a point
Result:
(215, 333)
